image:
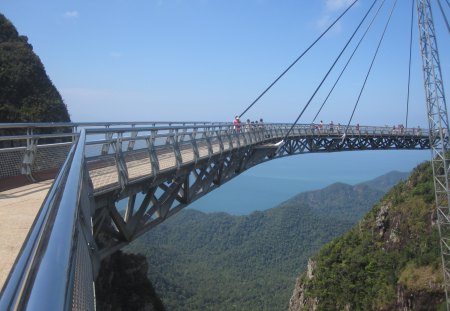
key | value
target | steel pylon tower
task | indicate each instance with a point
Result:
(439, 129)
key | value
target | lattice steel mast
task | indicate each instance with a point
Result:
(439, 129)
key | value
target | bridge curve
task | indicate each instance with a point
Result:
(158, 169)
(175, 166)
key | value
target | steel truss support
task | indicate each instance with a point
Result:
(165, 193)
(114, 227)
(367, 142)
(439, 129)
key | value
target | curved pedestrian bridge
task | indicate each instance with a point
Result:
(116, 181)
(126, 156)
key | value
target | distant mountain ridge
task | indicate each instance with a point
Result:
(201, 261)
(386, 181)
(332, 199)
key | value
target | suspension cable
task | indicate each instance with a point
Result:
(348, 62)
(443, 14)
(409, 66)
(370, 68)
(298, 58)
(331, 68)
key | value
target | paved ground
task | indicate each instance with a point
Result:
(18, 209)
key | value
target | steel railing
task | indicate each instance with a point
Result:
(42, 277)
(29, 140)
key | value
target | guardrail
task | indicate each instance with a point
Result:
(29, 148)
(54, 268)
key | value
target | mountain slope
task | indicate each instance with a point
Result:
(26, 92)
(389, 261)
(385, 182)
(216, 261)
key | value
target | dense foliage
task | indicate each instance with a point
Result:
(395, 248)
(26, 92)
(216, 261)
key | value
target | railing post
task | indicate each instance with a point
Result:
(219, 138)
(154, 163)
(108, 138)
(206, 134)
(132, 140)
(29, 156)
(120, 162)
(194, 144)
(230, 138)
(176, 149)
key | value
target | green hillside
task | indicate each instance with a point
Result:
(26, 93)
(216, 261)
(389, 261)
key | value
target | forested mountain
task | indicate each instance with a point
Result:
(26, 92)
(389, 261)
(217, 261)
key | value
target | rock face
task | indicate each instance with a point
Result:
(408, 300)
(298, 300)
(122, 284)
(26, 93)
(389, 261)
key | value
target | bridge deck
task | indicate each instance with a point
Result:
(18, 209)
(103, 170)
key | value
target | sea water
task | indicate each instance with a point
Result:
(269, 184)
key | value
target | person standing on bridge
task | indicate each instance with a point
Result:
(261, 123)
(320, 127)
(263, 128)
(237, 124)
(248, 125)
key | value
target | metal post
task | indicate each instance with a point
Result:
(438, 125)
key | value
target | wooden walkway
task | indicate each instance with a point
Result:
(18, 209)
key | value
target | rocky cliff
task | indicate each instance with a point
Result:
(389, 261)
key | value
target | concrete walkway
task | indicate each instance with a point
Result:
(18, 209)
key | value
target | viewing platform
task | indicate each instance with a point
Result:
(18, 209)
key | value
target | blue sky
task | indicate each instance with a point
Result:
(204, 60)
(207, 60)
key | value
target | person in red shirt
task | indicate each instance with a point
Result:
(237, 124)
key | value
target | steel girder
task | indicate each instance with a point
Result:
(334, 144)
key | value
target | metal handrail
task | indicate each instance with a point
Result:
(30, 143)
(38, 136)
(96, 124)
(93, 128)
(43, 271)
